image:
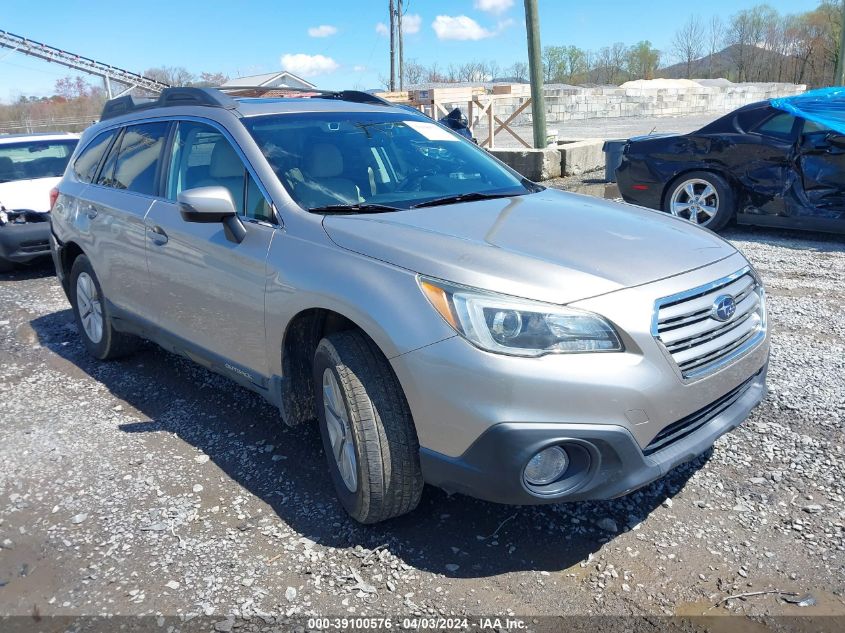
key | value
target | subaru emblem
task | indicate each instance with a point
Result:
(724, 308)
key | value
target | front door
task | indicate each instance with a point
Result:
(207, 288)
(821, 161)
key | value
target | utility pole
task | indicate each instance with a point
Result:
(401, 44)
(392, 46)
(839, 79)
(535, 72)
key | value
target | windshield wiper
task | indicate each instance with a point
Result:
(364, 207)
(463, 197)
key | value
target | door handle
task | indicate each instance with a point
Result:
(157, 235)
(91, 212)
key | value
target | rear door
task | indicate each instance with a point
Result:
(206, 289)
(113, 210)
(822, 167)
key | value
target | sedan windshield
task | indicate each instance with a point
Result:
(377, 162)
(34, 159)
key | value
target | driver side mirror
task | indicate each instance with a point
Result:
(209, 205)
(836, 140)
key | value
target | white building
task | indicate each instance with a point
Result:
(281, 79)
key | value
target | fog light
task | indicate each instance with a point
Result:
(546, 466)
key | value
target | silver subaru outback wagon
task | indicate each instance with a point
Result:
(443, 319)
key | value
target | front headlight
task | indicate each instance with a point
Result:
(519, 327)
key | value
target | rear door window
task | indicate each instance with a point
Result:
(136, 163)
(85, 165)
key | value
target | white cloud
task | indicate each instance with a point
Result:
(308, 65)
(324, 30)
(493, 6)
(381, 29)
(459, 27)
(359, 68)
(411, 23)
(505, 24)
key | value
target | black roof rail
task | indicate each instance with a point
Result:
(122, 105)
(169, 97)
(357, 96)
(354, 96)
(307, 91)
(217, 98)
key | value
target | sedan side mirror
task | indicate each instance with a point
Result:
(208, 205)
(836, 140)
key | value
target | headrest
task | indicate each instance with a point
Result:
(225, 162)
(323, 161)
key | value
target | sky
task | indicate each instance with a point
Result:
(333, 43)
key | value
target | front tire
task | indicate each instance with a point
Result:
(90, 311)
(701, 197)
(368, 434)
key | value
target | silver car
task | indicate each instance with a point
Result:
(442, 319)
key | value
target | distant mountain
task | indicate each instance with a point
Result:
(761, 65)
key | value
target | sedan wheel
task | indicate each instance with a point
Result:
(695, 200)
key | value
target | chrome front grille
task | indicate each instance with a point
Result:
(699, 337)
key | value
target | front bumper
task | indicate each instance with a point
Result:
(622, 407)
(491, 469)
(24, 242)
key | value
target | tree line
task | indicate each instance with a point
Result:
(757, 44)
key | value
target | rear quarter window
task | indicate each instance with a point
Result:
(780, 126)
(85, 165)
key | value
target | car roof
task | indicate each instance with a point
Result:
(729, 122)
(37, 136)
(249, 107)
(242, 101)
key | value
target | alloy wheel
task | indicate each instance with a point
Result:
(695, 200)
(340, 431)
(90, 308)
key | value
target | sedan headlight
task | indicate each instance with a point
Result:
(519, 327)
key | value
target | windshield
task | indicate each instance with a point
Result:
(370, 162)
(34, 159)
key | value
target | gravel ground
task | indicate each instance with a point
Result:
(150, 486)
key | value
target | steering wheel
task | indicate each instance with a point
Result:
(414, 181)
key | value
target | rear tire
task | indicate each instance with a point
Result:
(6, 266)
(90, 311)
(703, 198)
(368, 419)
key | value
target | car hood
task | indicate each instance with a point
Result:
(551, 246)
(32, 195)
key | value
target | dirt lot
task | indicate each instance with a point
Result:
(150, 486)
